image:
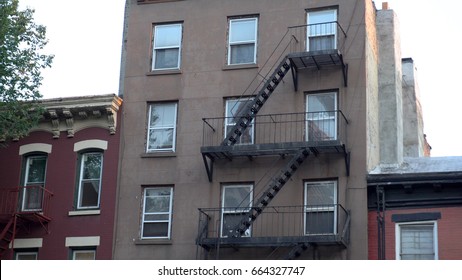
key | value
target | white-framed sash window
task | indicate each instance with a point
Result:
(417, 240)
(321, 30)
(242, 41)
(167, 46)
(320, 208)
(321, 116)
(236, 200)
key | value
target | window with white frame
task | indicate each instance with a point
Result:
(157, 212)
(321, 207)
(417, 241)
(83, 254)
(89, 188)
(322, 30)
(167, 46)
(26, 255)
(236, 200)
(242, 41)
(34, 182)
(321, 116)
(162, 127)
(234, 110)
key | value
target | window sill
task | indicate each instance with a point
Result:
(84, 213)
(240, 66)
(153, 242)
(158, 154)
(164, 72)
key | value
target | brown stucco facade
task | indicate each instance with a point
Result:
(200, 87)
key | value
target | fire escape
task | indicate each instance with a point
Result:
(22, 209)
(292, 136)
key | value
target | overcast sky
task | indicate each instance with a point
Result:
(86, 35)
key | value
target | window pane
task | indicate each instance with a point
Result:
(322, 16)
(235, 108)
(243, 30)
(160, 139)
(237, 196)
(321, 102)
(320, 194)
(26, 256)
(417, 242)
(157, 217)
(84, 255)
(244, 53)
(89, 194)
(157, 204)
(321, 222)
(167, 58)
(163, 115)
(322, 43)
(32, 200)
(230, 221)
(321, 130)
(167, 36)
(36, 169)
(158, 192)
(155, 230)
(92, 166)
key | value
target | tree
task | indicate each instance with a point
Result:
(21, 62)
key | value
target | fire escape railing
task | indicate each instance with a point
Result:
(276, 226)
(25, 200)
(314, 127)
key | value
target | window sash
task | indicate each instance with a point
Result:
(320, 215)
(233, 213)
(322, 30)
(147, 222)
(173, 43)
(26, 255)
(417, 241)
(167, 128)
(85, 199)
(234, 42)
(32, 197)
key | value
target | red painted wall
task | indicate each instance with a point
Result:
(449, 232)
(61, 180)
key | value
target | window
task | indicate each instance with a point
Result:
(83, 254)
(416, 241)
(242, 43)
(320, 207)
(26, 255)
(234, 110)
(236, 201)
(321, 116)
(162, 127)
(34, 182)
(157, 212)
(167, 46)
(89, 189)
(322, 30)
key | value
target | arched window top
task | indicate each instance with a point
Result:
(90, 144)
(35, 147)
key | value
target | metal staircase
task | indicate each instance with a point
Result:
(296, 251)
(7, 235)
(254, 106)
(274, 187)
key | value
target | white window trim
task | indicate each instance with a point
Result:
(398, 236)
(170, 214)
(81, 180)
(335, 117)
(82, 241)
(162, 127)
(255, 41)
(334, 208)
(334, 11)
(154, 49)
(248, 233)
(27, 183)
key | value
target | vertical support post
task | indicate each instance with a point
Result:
(380, 222)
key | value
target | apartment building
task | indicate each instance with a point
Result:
(249, 128)
(58, 184)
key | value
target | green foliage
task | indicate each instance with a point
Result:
(21, 62)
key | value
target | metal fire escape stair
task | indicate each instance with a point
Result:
(272, 190)
(254, 106)
(296, 251)
(7, 235)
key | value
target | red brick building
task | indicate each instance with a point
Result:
(415, 210)
(58, 185)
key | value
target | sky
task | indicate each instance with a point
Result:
(86, 38)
